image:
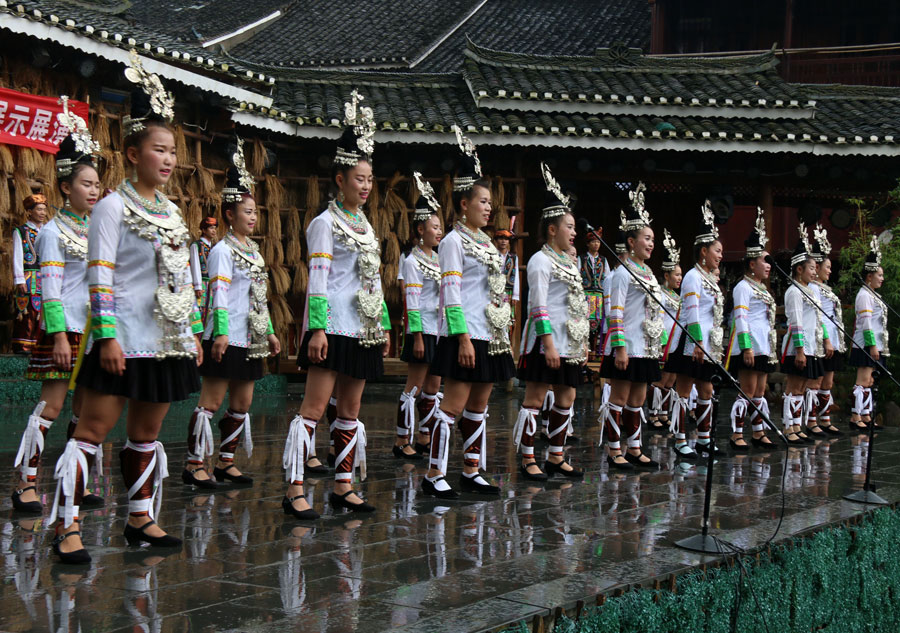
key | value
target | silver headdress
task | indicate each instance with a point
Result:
(81, 135)
(673, 253)
(235, 188)
(822, 247)
(471, 170)
(162, 103)
(803, 250)
(710, 230)
(873, 259)
(756, 244)
(426, 193)
(561, 204)
(638, 217)
(362, 120)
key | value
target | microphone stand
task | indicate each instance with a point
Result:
(867, 494)
(702, 542)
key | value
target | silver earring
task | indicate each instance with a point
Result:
(134, 175)
(632, 252)
(703, 263)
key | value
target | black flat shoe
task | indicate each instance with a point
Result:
(556, 469)
(340, 501)
(422, 449)
(431, 490)
(626, 465)
(304, 515)
(31, 507)
(637, 462)
(684, 452)
(738, 448)
(797, 441)
(78, 557)
(330, 459)
(709, 448)
(399, 454)
(538, 476)
(470, 485)
(572, 439)
(137, 535)
(187, 476)
(816, 432)
(318, 469)
(222, 474)
(92, 501)
(833, 430)
(762, 442)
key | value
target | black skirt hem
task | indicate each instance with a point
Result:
(761, 364)
(234, 365)
(812, 370)
(533, 368)
(679, 363)
(835, 363)
(144, 379)
(345, 356)
(858, 358)
(640, 370)
(409, 340)
(488, 368)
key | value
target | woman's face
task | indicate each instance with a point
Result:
(244, 217)
(673, 279)
(760, 267)
(642, 245)
(563, 236)
(154, 159)
(431, 232)
(476, 208)
(823, 270)
(713, 255)
(808, 271)
(83, 190)
(876, 279)
(355, 184)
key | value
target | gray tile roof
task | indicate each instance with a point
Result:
(198, 20)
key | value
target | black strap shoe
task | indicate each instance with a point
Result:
(187, 476)
(738, 448)
(640, 463)
(429, 488)
(340, 501)
(304, 515)
(90, 500)
(618, 465)
(78, 557)
(31, 507)
(470, 485)
(556, 469)
(137, 535)
(538, 476)
(399, 454)
(318, 469)
(222, 474)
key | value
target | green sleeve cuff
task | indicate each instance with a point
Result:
(617, 340)
(414, 321)
(318, 313)
(196, 322)
(54, 318)
(869, 338)
(270, 329)
(456, 321)
(385, 317)
(220, 322)
(799, 340)
(664, 338)
(824, 331)
(744, 341)
(103, 327)
(696, 331)
(542, 327)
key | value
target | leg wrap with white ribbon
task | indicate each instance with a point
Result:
(611, 424)
(704, 418)
(525, 430)
(427, 406)
(549, 400)
(810, 402)
(868, 405)
(32, 444)
(72, 471)
(144, 466)
(558, 426)
(756, 422)
(331, 416)
(738, 413)
(473, 427)
(826, 401)
(678, 417)
(440, 441)
(230, 428)
(692, 399)
(665, 403)
(406, 413)
(296, 449)
(200, 437)
(350, 446)
(656, 402)
(631, 422)
(859, 400)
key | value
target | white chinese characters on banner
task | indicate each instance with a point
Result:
(31, 120)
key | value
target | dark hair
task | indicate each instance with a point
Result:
(232, 206)
(699, 247)
(469, 194)
(68, 151)
(546, 223)
(796, 267)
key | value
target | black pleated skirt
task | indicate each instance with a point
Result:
(858, 358)
(533, 368)
(644, 370)
(813, 369)
(487, 368)
(679, 363)
(835, 363)
(145, 379)
(234, 366)
(409, 341)
(760, 363)
(346, 356)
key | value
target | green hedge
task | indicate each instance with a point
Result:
(839, 580)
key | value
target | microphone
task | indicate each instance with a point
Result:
(770, 260)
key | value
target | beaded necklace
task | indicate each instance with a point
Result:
(763, 294)
(248, 259)
(652, 326)
(356, 221)
(577, 325)
(73, 233)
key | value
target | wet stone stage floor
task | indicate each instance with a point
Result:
(415, 564)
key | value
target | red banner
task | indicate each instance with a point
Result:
(31, 120)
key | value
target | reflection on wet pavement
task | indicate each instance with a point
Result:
(416, 564)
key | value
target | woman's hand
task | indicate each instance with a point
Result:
(829, 348)
(386, 348)
(748, 358)
(800, 359)
(698, 355)
(621, 361)
(199, 341)
(318, 347)
(219, 347)
(551, 356)
(62, 351)
(274, 345)
(112, 360)
(873, 352)
(418, 346)
(466, 356)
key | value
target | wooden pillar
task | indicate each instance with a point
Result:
(788, 38)
(657, 27)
